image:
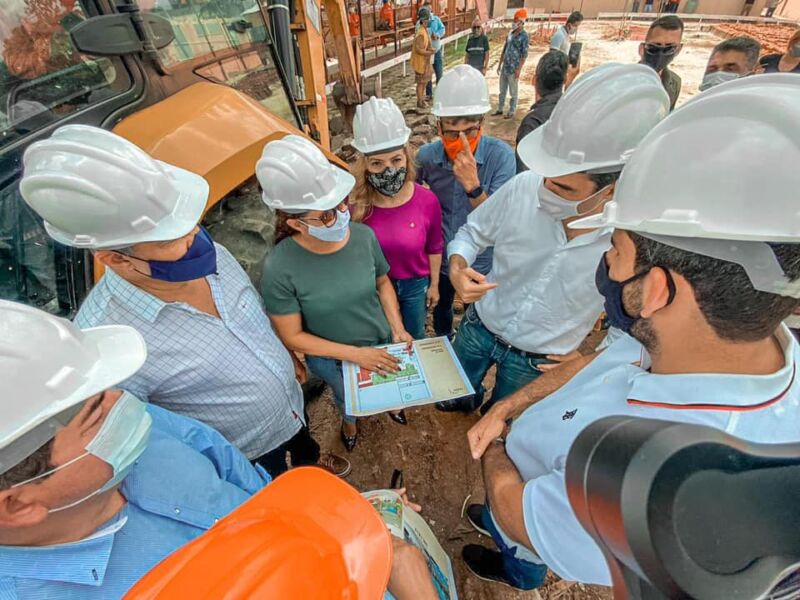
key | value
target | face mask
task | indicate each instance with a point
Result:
(559, 208)
(612, 293)
(336, 232)
(453, 147)
(712, 79)
(796, 50)
(658, 58)
(199, 261)
(389, 181)
(121, 440)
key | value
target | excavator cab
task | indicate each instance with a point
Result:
(194, 82)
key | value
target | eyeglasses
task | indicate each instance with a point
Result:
(470, 133)
(328, 218)
(661, 48)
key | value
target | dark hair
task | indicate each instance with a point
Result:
(601, 180)
(36, 464)
(282, 229)
(551, 72)
(574, 17)
(744, 44)
(668, 22)
(734, 309)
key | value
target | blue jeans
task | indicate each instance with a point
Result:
(412, 294)
(522, 574)
(330, 371)
(438, 68)
(510, 83)
(478, 349)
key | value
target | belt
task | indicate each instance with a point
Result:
(505, 344)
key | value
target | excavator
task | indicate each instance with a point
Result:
(202, 84)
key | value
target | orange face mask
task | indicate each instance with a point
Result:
(453, 147)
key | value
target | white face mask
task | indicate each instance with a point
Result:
(712, 79)
(120, 441)
(559, 208)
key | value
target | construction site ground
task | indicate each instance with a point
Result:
(432, 450)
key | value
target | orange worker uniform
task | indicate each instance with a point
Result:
(354, 23)
(387, 14)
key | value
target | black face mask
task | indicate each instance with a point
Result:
(389, 181)
(658, 57)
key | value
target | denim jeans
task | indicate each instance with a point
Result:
(508, 82)
(412, 294)
(443, 312)
(522, 573)
(477, 350)
(438, 69)
(330, 371)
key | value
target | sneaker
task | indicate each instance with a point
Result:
(485, 564)
(335, 464)
(497, 113)
(475, 518)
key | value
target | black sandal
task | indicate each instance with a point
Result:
(399, 417)
(348, 441)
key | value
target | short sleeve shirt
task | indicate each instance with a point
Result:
(477, 48)
(560, 40)
(516, 51)
(336, 293)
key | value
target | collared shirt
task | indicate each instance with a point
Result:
(436, 27)
(188, 477)
(232, 372)
(496, 165)
(546, 300)
(757, 408)
(516, 50)
(560, 40)
(538, 115)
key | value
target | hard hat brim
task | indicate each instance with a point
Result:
(541, 162)
(462, 111)
(122, 352)
(189, 209)
(342, 188)
(303, 506)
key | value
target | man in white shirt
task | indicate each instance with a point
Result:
(539, 298)
(700, 277)
(561, 38)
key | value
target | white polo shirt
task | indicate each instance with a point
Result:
(757, 408)
(546, 300)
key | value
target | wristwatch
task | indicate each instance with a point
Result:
(476, 192)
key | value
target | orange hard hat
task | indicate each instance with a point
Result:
(521, 14)
(306, 535)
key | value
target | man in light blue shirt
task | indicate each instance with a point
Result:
(700, 289)
(97, 487)
(437, 30)
(463, 168)
(213, 355)
(561, 38)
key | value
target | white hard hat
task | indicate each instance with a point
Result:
(598, 121)
(48, 367)
(723, 166)
(462, 91)
(295, 176)
(95, 189)
(379, 126)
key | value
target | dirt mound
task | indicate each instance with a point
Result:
(773, 37)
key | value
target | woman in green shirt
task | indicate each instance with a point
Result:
(325, 283)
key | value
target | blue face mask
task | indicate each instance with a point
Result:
(336, 232)
(612, 293)
(199, 261)
(121, 440)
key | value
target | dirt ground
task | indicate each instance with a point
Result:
(432, 450)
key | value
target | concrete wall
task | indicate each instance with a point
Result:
(590, 8)
(789, 9)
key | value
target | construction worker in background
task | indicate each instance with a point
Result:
(561, 38)
(661, 45)
(97, 487)
(353, 20)
(436, 30)
(730, 59)
(386, 20)
(325, 284)
(213, 355)
(512, 60)
(463, 168)
(421, 52)
(704, 267)
(476, 53)
(405, 216)
(539, 301)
